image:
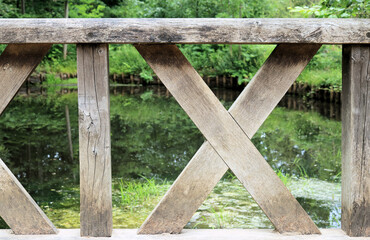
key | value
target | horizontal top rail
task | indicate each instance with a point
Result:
(186, 30)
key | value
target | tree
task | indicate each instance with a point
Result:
(86, 9)
(336, 9)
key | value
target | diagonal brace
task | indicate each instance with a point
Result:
(228, 139)
(17, 207)
(17, 62)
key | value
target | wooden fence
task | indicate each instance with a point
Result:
(228, 133)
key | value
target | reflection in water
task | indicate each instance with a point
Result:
(328, 109)
(153, 137)
(230, 206)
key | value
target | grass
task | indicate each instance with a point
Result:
(220, 218)
(51, 79)
(286, 178)
(57, 66)
(322, 79)
(228, 206)
(135, 194)
(324, 70)
(133, 200)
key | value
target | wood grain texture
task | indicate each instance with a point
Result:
(18, 209)
(356, 140)
(17, 62)
(94, 138)
(250, 110)
(227, 138)
(186, 30)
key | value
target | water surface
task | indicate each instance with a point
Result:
(152, 137)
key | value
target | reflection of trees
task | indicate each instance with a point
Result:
(3, 225)
(301, 144)
(324, 215)
(151, 136)
(34, 142)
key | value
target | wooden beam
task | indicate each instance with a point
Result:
(17, 62)
(227, 138)
(18, 209)
(250, 110)
(94, 138)
(186, 30)
(356, 140)
(193, 234)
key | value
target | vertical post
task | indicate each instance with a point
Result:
(94, 138)
(356, 140)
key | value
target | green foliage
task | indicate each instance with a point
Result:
(2, 47)
(86, 9)
(241, 61)
(126, 59)
(324, 70)
(220, 218)
(51, 80)
(8, 9)
(200, 9)
(212, 60)
(335, 9)
(286, 178)
(126, 9)
(34, 8)
(135, 193)
(54, 63)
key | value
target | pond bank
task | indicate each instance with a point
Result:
(325, 94)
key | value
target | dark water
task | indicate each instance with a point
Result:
(153, 137)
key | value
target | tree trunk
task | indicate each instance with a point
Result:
(23, 6)
(66, 10)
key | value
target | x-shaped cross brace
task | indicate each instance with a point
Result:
(228, 135)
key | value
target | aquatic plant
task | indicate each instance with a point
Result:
(135, 194)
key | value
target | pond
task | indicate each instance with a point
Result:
(153, 140)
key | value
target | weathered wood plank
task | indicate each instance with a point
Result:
(17, 62)
(193, 234)
(18, 209)
(227, 138)
(356, 140)
(250, 110)
(94, 138)
(188, 30)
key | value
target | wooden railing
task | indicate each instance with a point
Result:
(228, 133)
